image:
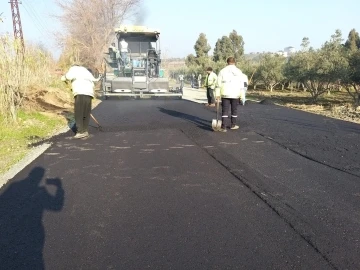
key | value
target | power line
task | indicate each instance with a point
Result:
(39, 18)
(36, 25)
(35, 17)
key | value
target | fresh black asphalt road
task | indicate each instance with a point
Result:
(158, 189)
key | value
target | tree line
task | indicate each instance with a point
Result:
(332, 67)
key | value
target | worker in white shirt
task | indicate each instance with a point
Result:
(229, 85)
(123, 50)
(82, 84)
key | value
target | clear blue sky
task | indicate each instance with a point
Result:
(266, 25)
(38, 24)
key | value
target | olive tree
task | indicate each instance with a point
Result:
(351, 77)
(270, 70)
(318, 70)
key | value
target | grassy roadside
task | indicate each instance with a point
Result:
(32, 127)
(336, 105)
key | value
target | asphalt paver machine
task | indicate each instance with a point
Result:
(138, 72)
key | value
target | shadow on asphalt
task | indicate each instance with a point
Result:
(200, 122)
(22, 234)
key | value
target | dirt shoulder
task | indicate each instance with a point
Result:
(337, 105)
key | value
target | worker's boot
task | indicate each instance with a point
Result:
(81, 135)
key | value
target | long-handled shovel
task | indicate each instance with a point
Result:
(216, 123)
(99, 126)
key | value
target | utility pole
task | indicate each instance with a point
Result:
(18, 33)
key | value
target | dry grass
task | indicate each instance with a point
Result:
(301, 97)
(20, 72)
(336, 104)
(33, 101)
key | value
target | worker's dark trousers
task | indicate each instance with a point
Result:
(226, 103)
(82, 112)
(210, 95)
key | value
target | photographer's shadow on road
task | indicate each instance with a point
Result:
(22, 234)
(200, 122)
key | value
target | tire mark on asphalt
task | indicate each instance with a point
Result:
(260, 190)
(308, 157)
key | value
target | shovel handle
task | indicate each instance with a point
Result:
(94, 119)
(217, 110)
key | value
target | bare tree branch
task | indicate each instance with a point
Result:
(89, 24)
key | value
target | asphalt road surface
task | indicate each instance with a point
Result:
(158, 189)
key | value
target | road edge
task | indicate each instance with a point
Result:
(31, 155)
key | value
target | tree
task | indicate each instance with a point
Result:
(202, 46)
(190, 60)
(218, 54)
(250, 67)
(202, 49)
(238, 44)
(255, 78)
(351, 77)
(334, 58)
(305, 44)
(271, 70)
(70, 53)
(223, 49)
(353, 41)
(319, 70)
(88, 26)
(232, 45)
